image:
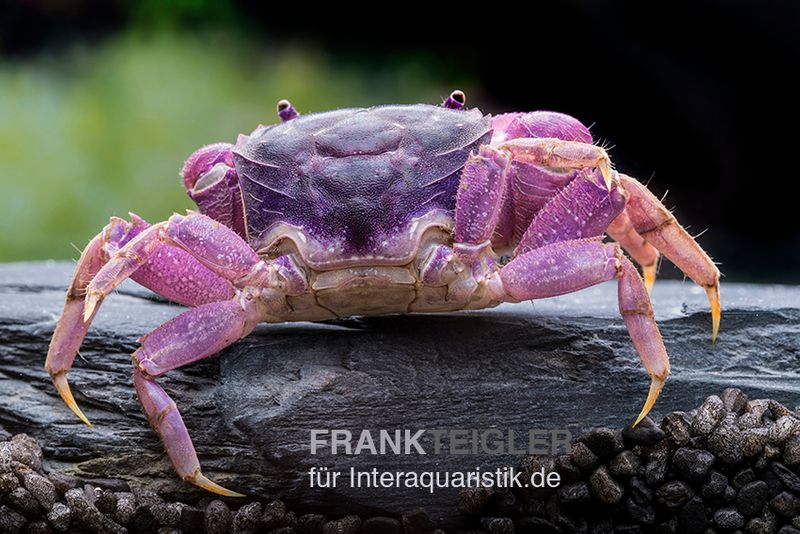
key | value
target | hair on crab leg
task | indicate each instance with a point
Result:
(654, 222)
(558, 153)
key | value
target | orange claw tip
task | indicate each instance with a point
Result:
(88, 308)
(649, 275)
(62, 386)
(716, 310)
(200, 480)
(656, 384)
(608, 173)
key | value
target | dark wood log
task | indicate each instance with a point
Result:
(558, 363)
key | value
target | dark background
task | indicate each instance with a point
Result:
(698, 98)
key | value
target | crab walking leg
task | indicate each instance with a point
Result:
(654, 222)
(481, 192)
(637, 312)
(170, 272)
(162, 274)
(165, 419)
(213, 244)
(530, 187)
(569, 266)
(646, 255)
(191, 336)
(71, 327)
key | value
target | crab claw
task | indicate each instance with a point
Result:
(609, 174)
(62, 386)
(92, 300)
(716, 310)
(200, 480)
(656, 384)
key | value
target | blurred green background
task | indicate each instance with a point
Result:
(90, 132)
(101, 101)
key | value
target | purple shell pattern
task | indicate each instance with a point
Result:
(356, 177)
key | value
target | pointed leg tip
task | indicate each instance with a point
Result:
(608, 174)
(649, 275)
(62, 386)
(716, 311)
(656, 384)
(714, 328)
(89, 306)
(200, 480)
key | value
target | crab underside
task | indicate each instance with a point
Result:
(392, 209)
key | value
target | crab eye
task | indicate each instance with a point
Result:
(286, 111)
(456, 100)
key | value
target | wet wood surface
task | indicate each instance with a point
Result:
(558, 363)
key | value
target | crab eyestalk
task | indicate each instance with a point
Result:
(456, 100)
(286, 111)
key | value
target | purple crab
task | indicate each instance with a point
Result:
(390, 209)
